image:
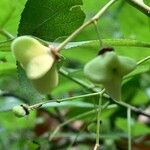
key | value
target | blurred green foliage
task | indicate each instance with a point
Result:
(121, 21)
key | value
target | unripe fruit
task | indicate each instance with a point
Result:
(48, 82)
(113, 87)
(126, 65)
(97, 69)
(34, 57)
(108, 69)
(38, 62)
(19, 111)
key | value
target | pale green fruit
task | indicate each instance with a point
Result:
(48, 82)
(97, 69)
(108, 69)
(113, 87)
(34, 57)
(38, 66)
(126, 65)
(38, 62)
(19, 111)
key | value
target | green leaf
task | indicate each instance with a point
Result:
(7, 103)
(33, 145)
(139, 6)
(10, 15)
(5, 46)
(7, 68)
(140, 69)
(16, 123)
(49, 20)
(131, 25)
(138, 129)
(140, 98)
(7, 57)
(26, 89)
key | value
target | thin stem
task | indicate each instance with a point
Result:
(90, 88)
(96, 147)
(120, 103)
(143, 60)
(92, 20)
(80, 82)
(112, 42)
(134, 109)
(99, 110)
(6, 34)
(63, 44)
(78, 117)
(98, 34)
(139, 4)
(35, 106)
(129, 129)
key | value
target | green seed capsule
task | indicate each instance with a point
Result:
(108, 69)
(19, 111)
(97, 69)
(126, 65)
(113, 87)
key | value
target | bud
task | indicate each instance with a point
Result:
(19, 111)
